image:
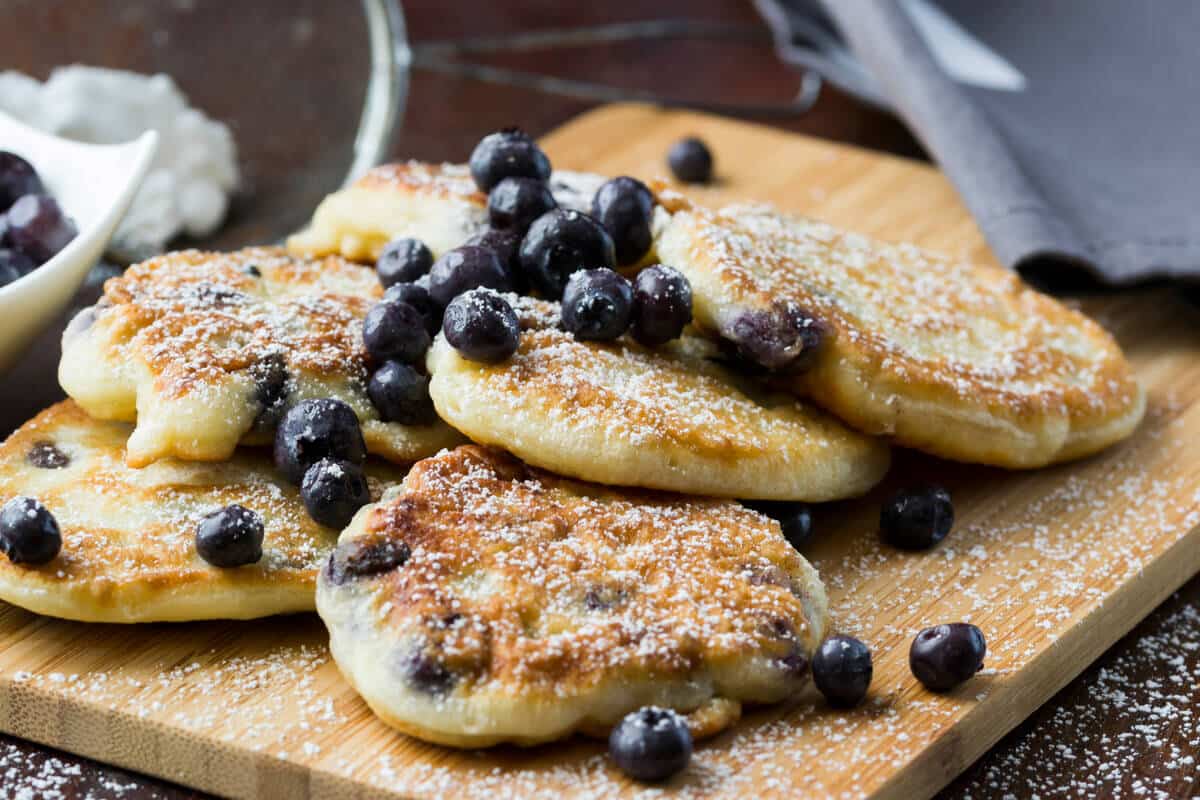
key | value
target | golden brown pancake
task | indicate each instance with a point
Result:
(486, 601)
(961, 360)
(436, 203)
(204, 351)
(128, 552)
(668, 418)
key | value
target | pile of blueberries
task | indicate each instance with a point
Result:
(530, 246)
(32, 226)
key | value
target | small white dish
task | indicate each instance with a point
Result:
(94, 184)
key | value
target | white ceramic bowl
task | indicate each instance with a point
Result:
(94, 184)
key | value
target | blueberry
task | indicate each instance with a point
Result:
(651, 744)
(38, 227)
(625, 207)
(560, 243)
(270, 377)
(29, 533)
(365, 558)
(8, 274)
(662, 305)
(917, 518)
(401, 394)
(795, 519)
(785, 337)
(427, 674)
(16, 260)
(315, 429)
(691, 160)
(395, 332)
(418, 297)
(944, 656)
(482, 326)
(514, 203)
(230, 537)
(333, 491)
(465, 268)
(509, 153)
(505, 243)
(597, 304)
(842, 670)
(403, 261)
(46, 455)
(17, 179)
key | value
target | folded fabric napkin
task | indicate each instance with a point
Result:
(1094, 163)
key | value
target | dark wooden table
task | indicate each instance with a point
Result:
(1129, 726)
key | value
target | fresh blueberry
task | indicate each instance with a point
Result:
(418, 297)
(509, 153)
(505, 243)
(315, 429)
(784, 338)
(38, 227)
(401, 394)
(651, 744)
(47, 455)
(8, 274)
(560, 243)
(270, 375)
(16, 260)
(662, 305)
(17, 179)
(364, 558)
(691, 160)
(230, 537)
(395, 332)
(795, 519)
(333, 491)
(944, 656)
(917, 518)
(482, 326)
(514, 203)
(597, 304)
(426, 673)
(625, 207)
(465, 268)
(403, 261)
(29, 533)
(842, 670)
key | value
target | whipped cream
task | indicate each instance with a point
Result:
(194, 172)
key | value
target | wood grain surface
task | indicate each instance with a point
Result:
(1053, 565)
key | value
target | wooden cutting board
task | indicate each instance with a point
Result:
(1053, 565)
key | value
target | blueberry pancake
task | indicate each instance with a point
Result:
(668, 418)
(484, 601)
(436, 203)
(961, 360)
(208, 350)
(128, 536)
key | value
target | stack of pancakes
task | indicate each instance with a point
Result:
(584, 554)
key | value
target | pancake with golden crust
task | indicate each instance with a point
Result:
(128, 552)
(485, 601)
(961, 360)
(436, 203)
(668, 418)
(208, 350)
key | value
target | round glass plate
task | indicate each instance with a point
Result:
(313, 90)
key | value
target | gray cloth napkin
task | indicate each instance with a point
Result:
(1095, 164)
